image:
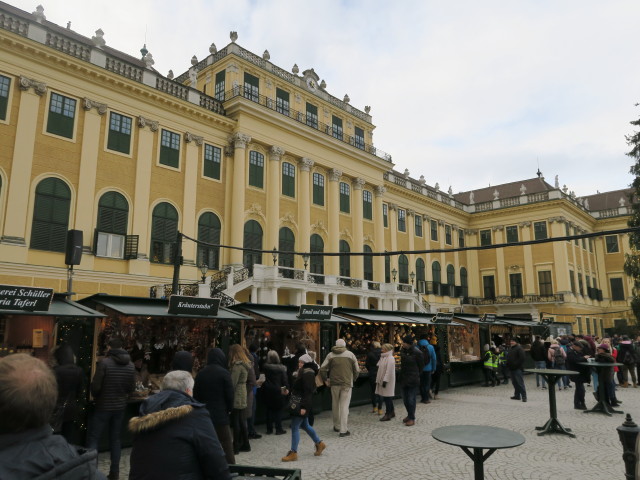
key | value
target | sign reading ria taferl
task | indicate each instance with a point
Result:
(30, 299)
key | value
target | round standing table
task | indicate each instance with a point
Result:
(602, 406)
(473, 439)
(552, 375)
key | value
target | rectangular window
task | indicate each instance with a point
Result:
(540, 230)
(170, 149)
(110, 245)
(312, 115)
(256, 169)
(119, 138)
(567, 230)
(489, 287)
(418, 224)
(544, 283)
(584, 243)
(218, 92)
(62, 112)
(447, 235)
(402, 220)
(572, 279)
(485, 237)
(591, 247)
(512, 234)
(385, 216)
(580, 285)
(359, 138)
(575, 232)
(282, 101)
(367, 205)
(461, 238)
(434, 230)
(336, 127)
(288, 179)
(345, 197)
(617, 288)
(515, 285)
(318, 189)
(611, 242)
(5, 83)
(212, 160)
(251, 87)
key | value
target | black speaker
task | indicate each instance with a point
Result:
(73, 249)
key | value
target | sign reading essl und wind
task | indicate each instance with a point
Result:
(181, 305)
(29, 299)
(315, 312)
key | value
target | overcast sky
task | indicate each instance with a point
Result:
(467, 93)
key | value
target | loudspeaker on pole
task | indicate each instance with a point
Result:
(73, 248)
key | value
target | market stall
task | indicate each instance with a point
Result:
(466, 342)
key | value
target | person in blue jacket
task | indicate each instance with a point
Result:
(429, 356)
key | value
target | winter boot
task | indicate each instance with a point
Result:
(320, 446)
(291, 456)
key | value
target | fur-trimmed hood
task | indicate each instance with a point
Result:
(162, 408)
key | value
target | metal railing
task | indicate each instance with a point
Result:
(506, 299)
(165, 291)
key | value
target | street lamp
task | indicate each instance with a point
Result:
(204, 268)
(305, 259)
(275, 256)
(412, 276)
(394, 272)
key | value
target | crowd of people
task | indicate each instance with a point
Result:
(196, 425)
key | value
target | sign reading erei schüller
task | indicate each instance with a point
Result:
(30, 299)
(315, 312)
(181, 305)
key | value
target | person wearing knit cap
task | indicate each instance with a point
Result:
(576, 359)
(338, 371)
(411, 365)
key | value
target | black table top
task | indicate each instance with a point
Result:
(551, 371)
(478, 436)
(602, 364)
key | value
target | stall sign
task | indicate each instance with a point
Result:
(442, 317)
(488, 318)
(182, 305)
(315, 312)
(29, 299)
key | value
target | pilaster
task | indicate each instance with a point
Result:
(240, 142)
(273, 183)
(333, 209)
(304, 206)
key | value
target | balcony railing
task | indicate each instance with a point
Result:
(506, 299)
(301, 117)
(165, 291)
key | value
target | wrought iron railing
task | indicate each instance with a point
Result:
(186, 289)
(506, 299)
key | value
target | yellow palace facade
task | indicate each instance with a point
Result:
(239, 152)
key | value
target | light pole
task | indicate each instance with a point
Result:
(412, 276)
(305, 259)
(394, 272)
(275, 256)
(204, 268)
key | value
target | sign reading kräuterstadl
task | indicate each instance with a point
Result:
(181, 305)
(315, 312)
(29, 299)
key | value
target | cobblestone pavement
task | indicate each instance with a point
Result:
(389, 450)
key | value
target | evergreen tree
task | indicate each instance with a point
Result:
(632, 260)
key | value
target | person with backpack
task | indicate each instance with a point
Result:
(557, 359)
(411, 365)
(429, 359)
(628, 359)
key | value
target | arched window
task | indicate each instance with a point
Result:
(435, 275)
(387, 269)
(288, 179)
(252, 239)
(286, 243)
(464, 282)
(345, 260)
(420, 276)
(367, 260)
(451, 280)
(403, 269)
(209, 231)
(111, 227)
(316, 262)
(164, 228)
(50, 215)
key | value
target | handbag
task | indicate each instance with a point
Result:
(57, 417)
(294, 405)
(319, 381)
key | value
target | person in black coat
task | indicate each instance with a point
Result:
(213, 387)
(575, 361)
(371, 364)
(515, 364)
(411, 365)
(182, 360)
(273, 391)
(70, 378)
(174, 438)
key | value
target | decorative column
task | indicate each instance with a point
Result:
(378, 232)
(529, 287)
(357, 260)
(501, 271)
(273, 185)
(192, 147)
(141, 225)
(560, 255)
(304, 207)
(333, 210)
(411, 231)
(15, 225)
(240, 142)
(393, 230)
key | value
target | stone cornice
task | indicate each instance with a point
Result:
(190, 137)
(40, 88)
(153, 124)
(379, 190)
(240, 140)
(276, 153)
(305, 164)
(358, 183)
(88, 104)
(334, 174)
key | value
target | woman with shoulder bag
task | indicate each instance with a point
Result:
(300, 405)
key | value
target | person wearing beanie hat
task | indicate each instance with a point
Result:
(576, 359)
(338, 371)
(411, 365)
(515, 363)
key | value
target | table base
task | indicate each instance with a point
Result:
(553, 425)
(603, 407)
(478, 458)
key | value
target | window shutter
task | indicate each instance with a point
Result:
(95, 241)
(131, 247)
